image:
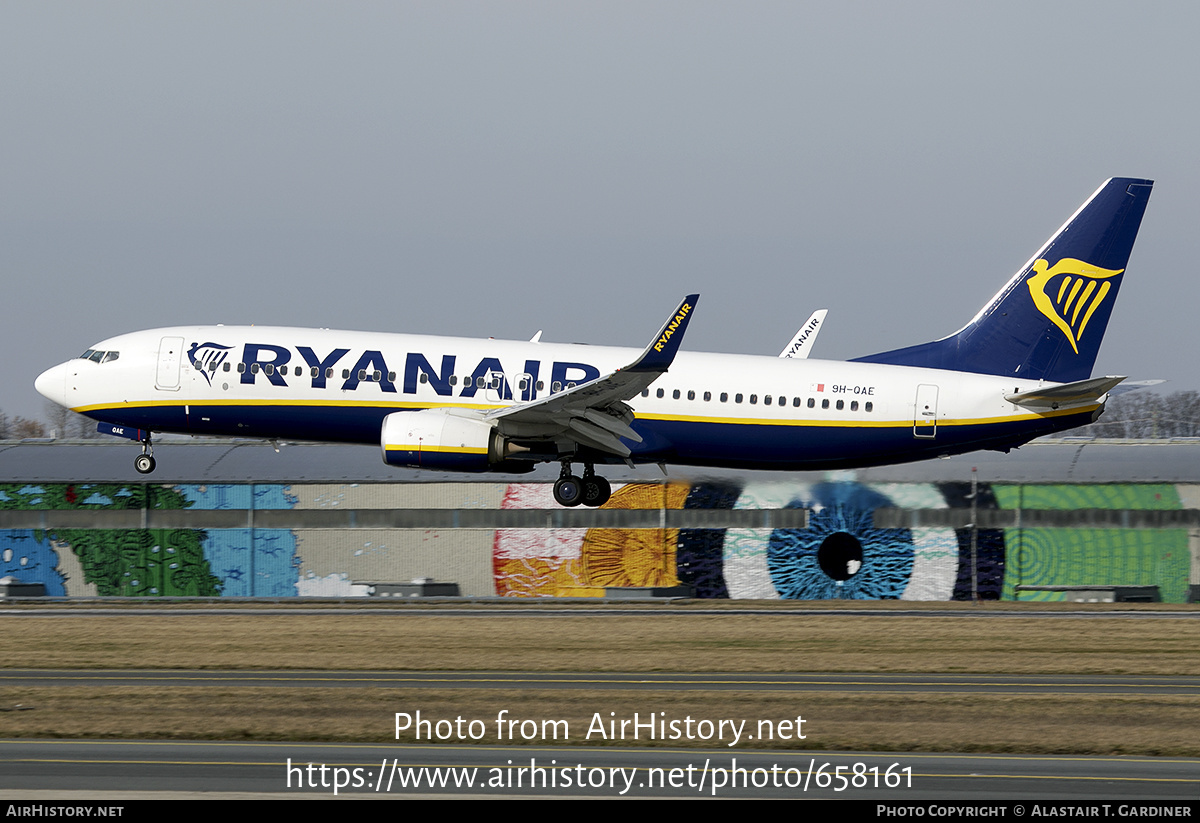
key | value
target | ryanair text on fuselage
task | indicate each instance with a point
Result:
(271, 363)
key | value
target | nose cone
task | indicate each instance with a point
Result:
(52, 384)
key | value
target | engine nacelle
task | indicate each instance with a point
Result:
(439, 439)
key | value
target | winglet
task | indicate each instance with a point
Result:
(803, 342)
(659, 355)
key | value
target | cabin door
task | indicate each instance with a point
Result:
(170, 352)
(925, 412)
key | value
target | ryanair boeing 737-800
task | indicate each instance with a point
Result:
(1021, 368)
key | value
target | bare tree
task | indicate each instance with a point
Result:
(1145, 414)
(22, 428)
(65, 423)
(58, 419)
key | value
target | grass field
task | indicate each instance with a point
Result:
(512, 641)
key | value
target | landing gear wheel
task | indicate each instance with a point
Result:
(144, 463)
(596, 491)
(568, 490)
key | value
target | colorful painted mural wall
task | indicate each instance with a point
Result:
(839, 555)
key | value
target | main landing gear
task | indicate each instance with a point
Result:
(590, 490)
(144, 462)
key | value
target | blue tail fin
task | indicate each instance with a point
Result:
(1048, 321)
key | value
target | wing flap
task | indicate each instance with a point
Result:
(592, 435)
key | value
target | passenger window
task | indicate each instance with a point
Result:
(841, 404)
(659, 394)
(362, 374)
(707, 396)
(453, 379)
(796, 402)
(724, 397)
(783, 401)
(812, 403)
(329, 373)
(645, 392)
(392, 376)
(541, 385)
(675, 394)
(254, 368)
(691, 395)
(225, 367)
(424, 377)
(767, 400)
(555, 387)
(737, 398)
(480, 382)
(754, 400)
(869, 406)
(345, 374)
(824, 404)
(269, 369)
(312, 372)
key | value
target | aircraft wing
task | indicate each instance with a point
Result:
(595, 414)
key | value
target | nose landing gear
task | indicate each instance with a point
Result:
(590, 490)
(144, 462)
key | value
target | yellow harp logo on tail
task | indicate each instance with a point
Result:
(1080, 292)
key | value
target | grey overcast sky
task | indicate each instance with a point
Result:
(491, 169)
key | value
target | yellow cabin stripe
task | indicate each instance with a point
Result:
(677, 418)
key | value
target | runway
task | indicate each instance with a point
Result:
(131, 769)
(844, 682)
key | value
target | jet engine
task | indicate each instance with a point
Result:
(447, 440)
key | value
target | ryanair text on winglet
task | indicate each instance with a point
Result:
(672, 326)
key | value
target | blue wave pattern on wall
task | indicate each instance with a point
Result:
(249, 563)
(29, 557)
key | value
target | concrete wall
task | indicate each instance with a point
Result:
(838, 538)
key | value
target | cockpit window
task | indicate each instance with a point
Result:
(110, 356)
(100, 356)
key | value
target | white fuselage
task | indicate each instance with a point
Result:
(708, 409)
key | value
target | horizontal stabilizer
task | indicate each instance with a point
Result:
(1135, 385)
(1068, 394)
